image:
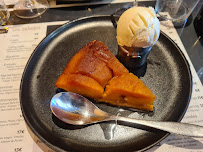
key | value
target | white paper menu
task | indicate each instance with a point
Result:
(16, 48)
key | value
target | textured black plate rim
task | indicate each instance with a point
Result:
(61, 28)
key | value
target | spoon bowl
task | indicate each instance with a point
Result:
(75, 109)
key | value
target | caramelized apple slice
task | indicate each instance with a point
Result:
(128, 91)
(102, 52)
(86, 63)
(80, 84)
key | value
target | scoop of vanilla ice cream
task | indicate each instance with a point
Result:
(138, 27)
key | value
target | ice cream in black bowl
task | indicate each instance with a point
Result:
(138, 29)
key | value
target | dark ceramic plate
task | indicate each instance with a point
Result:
(167, 74)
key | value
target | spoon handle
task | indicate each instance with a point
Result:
(171, 127)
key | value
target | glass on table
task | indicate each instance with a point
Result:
(4, 13)
(177, 11)
(30, 8)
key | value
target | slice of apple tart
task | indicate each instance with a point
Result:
(95, 72)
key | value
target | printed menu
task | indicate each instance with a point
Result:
(16, 47)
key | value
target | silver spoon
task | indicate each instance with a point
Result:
(75, 109)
